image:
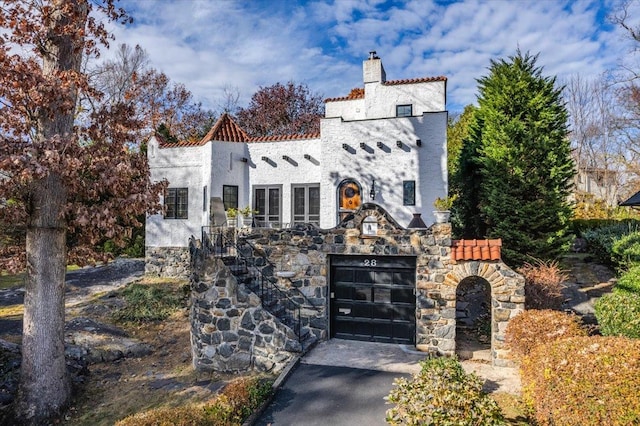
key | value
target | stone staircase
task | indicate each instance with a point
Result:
(274, 299)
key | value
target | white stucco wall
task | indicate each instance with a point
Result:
(282, 172)
(227, 168)
(183, 168)
(389, 165)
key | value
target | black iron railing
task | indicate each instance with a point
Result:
(222, 242)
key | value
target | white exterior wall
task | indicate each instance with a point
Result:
(284, 173)
(227, 168)
(389, 165)
(381, 100)
(183, 168)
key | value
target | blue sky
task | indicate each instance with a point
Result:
(208, 45)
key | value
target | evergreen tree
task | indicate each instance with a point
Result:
(516, 169)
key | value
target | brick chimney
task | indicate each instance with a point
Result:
(372, 69)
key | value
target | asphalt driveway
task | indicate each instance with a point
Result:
(330, 395)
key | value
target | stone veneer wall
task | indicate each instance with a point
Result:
(172, 262)
(230, 331)
(305, 250)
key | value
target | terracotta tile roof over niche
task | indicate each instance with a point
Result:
(476, 249)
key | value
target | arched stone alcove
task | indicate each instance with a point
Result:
(473, 318)
(507, 298)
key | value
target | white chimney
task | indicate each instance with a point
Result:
(372, 69)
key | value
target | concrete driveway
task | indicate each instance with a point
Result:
(341, 382)
(344, 382)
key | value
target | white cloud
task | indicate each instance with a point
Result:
(208, 45)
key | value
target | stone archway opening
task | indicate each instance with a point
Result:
(473, 319)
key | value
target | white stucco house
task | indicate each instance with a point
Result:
(384, 143)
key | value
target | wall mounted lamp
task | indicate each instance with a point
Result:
(372, 193)
(399, 144)
(418, 142)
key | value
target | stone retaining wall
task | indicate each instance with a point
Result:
(305, 251)
(230, 331)
(171, 262)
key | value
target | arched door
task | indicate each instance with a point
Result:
(349, 197)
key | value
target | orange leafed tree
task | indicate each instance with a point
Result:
(68, 177)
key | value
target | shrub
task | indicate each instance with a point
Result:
(149, 302)
(629, 282)
(601, 240)
(584, 381)
(237, 401)
(543, 284)
(626, 249)
(618, 314)
(442, 394)
(531, 328)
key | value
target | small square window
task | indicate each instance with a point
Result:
(409, 192)
(404, 110)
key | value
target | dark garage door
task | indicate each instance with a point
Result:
(372, 298)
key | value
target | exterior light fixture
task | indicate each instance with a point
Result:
(399, 144)
(418, 142)
(372, 193)
(379, 144)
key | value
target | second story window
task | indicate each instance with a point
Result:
(175, 202)
(404, 110)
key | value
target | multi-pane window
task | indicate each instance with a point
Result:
(268, 203)
(404, 111)
(409, 192)
(230, 196)
(175, 202)
(306, 204)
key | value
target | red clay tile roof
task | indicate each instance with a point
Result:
(284, 137)
(358, 92)
(415, 80)
(225, 130)
(476, 249)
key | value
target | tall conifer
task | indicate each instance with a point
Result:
(515, 168)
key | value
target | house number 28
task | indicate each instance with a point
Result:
(370, 262)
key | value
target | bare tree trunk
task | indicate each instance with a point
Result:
(44, 384)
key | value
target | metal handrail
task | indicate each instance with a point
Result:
(222, 246)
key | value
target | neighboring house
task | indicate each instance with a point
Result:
(595, 183)
(384, 143)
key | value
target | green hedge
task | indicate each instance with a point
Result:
(601, 240)
(618, 314)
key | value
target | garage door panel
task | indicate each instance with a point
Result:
(366, 277)
(402, 295)
(373, 298)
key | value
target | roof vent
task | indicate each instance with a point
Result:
(372, 55)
